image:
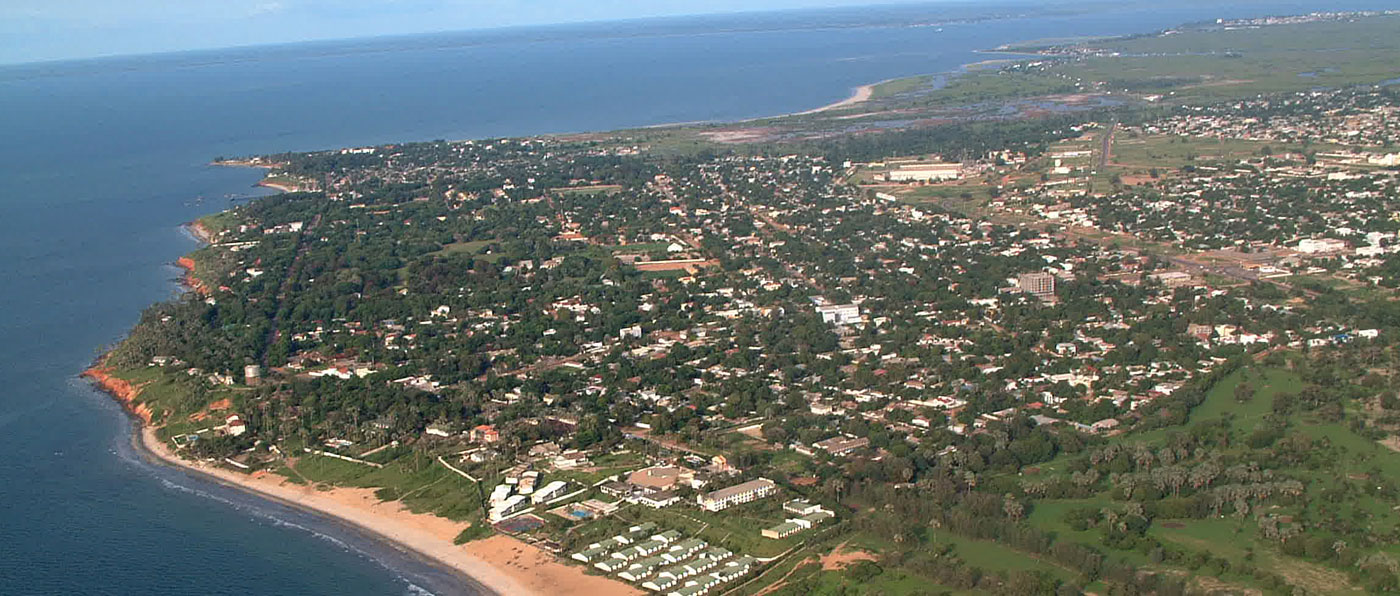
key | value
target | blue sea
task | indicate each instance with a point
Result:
(101, 161)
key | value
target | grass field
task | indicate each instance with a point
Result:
(464, 248)
(1247, 61)
(1189, 65)
(899, 86)
(588, 190)
(989, 555)
(811, 579)
(418, 481)
(1220, 401)
(1171, 152)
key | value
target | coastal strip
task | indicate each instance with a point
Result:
(861, 95)
(281, 184)
(500, 564)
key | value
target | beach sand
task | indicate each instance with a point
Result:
(862, 94)
(500, 563)
(275, 186)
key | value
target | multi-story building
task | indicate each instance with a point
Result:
(725, 498)
(1039, 284)
(839, 314)
(510, 506)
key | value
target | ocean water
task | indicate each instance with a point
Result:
(102, 160)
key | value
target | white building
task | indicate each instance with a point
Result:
(1313, 246)
(1392, 159)
(839, 314)
(725, 498)
(236, 426)
(925, 172)
(512, 505)
(500, 493)
(551, 491)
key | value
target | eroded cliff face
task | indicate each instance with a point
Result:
(190, 280)
(120, 389)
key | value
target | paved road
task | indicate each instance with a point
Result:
(1106, 153)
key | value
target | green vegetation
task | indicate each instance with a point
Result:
(900, 86)
(1247, 61)
(473, 532)
(988, 381)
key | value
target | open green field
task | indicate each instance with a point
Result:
(1220, 401)
(1234, 63)
(588, 190)
(898, 86)
(465, 248)
(1187, 65)
(174, 398)
(220, 221)
(811, 579)
(422, 484)
(985, 554)
(603, 467)
(282, 181)
(1165, 151)
(990, 85)
(968, 191)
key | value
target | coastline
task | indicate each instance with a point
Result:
(276, 186)
(265, 182)
(861, 95)
(499, 564)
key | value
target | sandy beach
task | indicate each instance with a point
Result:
(862, 94)
(500, 563)
(276, 186)
(265, 182)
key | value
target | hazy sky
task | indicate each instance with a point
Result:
(32, 30)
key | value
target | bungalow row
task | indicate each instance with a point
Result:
(598, 550)
(679, 551)
(672, 576)
(730, 571)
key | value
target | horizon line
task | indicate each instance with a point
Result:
(537, 26)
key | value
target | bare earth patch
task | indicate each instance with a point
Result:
(782, 581)
(1315, 578)
(1211, 585)
(840, 558)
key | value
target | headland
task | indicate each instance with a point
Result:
(500, 564)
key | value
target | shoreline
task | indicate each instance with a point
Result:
(153, 450)
(861, 95)
(499, 564)
(259, 164)
(276, 186)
